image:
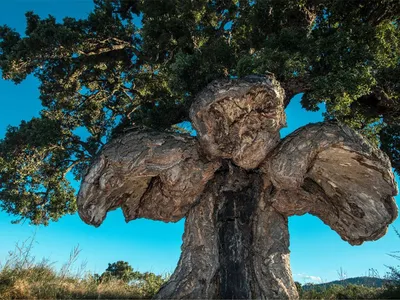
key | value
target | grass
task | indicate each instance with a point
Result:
(350, 291)
(22, 277)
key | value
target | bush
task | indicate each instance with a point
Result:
(350, 291)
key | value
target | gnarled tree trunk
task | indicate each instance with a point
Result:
(237, 183)
(235, 245)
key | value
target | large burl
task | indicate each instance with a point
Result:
(237, 184)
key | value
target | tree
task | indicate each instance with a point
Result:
(104, 73)
(148, 283)
(109, 75)
(120, 270)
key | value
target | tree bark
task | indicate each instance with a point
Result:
(236, 184)
(235, 245)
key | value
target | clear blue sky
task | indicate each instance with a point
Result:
(316, 250)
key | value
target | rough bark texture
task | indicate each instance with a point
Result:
(294, 86)
(237, 186)
(149, 175)
(235, 246)
(332, 172)
(239, 119)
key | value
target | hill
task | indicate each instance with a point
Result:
(365, 281)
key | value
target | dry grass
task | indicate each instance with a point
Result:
(21, 277)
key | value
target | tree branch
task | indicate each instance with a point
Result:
(109, 48)
(70, 168)
(294, 86)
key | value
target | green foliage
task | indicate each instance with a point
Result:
(120, 270)
(390, 139)
(101, 74)
(299, 288)
(342, 292)
(148, 283)
(34, 161)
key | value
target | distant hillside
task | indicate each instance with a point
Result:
(365, 281)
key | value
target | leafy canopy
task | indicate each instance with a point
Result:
(141, 62)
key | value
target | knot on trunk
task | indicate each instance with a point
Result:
(239, 119)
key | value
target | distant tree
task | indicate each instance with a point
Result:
(120, 270)
(148, 282)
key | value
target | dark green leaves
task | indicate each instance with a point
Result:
(390, 143)
(35, 159)
(141, 62)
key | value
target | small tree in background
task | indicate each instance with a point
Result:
(148, 283)
(120, 270)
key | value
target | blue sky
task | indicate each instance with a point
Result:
(317, 252)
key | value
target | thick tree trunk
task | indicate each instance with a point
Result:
(235, 245)
(236, 241)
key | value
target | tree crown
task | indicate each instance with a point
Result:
(141, 62)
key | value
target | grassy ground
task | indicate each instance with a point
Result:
(343, 292)
(21, 277)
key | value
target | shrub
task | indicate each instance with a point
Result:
(350, 291)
